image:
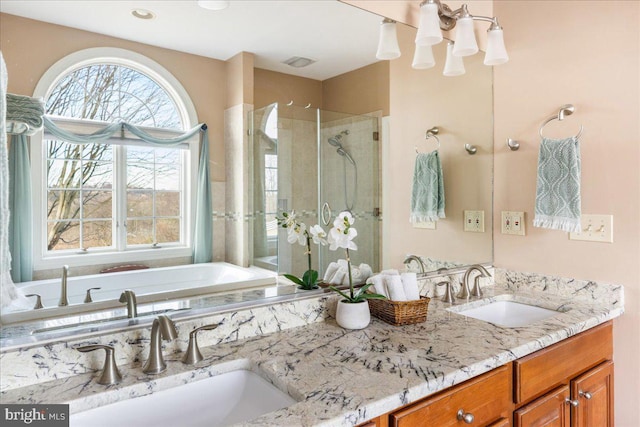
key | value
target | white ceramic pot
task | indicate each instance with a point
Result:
(353, 315)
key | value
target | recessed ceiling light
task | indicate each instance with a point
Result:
(213, 4)
(298, 61)
(143, 14)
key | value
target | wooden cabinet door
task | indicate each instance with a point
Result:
(502, 422)
(483, 399)
(594, 392)
(550, 410)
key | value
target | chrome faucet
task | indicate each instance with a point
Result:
(416, 258)
(129, 297)
(64, 301)
(465, 291)
(163, 328)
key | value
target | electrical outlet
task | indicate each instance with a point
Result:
(474, 221)
(429, 225)
(513, 223)
(595, 228)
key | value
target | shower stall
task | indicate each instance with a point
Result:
(318, 163)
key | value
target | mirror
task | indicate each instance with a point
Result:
(416, 100)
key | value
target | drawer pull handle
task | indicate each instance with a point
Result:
(466, 417)
(585, 394)
(573, 403)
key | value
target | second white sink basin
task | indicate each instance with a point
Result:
(221, 400)
(509, 314)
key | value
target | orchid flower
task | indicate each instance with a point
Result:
(318, 235)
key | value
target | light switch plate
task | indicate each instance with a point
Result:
(474, 221)
(429, 225)
(595, 228)
(513, 223)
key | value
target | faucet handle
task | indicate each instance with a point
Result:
(38, 301)
(110, 374)
(87, 298)
(476, 291)
(448, 292)
(193, 355)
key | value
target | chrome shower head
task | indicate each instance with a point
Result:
(335, 140)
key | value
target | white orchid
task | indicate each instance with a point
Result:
(318, 235)
(297, 233)
(342, 233)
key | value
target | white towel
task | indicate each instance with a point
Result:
(338, 278)
(395, 288)
(390, 272)
(410, 286)
(332, 268)
(378, 284)
(366, 271)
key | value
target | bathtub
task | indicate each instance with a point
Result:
(150, 285)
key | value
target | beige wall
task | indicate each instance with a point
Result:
(585, 53)
(360, 91)
(271, 86)
(28, 58)
(461, 107)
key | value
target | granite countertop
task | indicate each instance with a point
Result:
(345, 377)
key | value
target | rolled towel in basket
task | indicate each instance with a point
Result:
(410, 286)
(332, 268)
(378, 284)
(395, 288)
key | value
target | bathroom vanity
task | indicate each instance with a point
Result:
(451, 366)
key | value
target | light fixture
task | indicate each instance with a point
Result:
(143, 14)
(298, 61)
(213, 4)
(435, 17)
(453, 65)
(423, 57)
(388, 42)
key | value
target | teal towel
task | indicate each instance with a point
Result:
(427, 194)
(24, 114)
(558, 189)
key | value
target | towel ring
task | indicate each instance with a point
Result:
(431, 133)
(565, 110)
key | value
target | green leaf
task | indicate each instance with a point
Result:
(294, 279)
(346, 297)
(310, 277)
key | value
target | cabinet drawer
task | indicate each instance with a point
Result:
(548, 368)
(487, 397)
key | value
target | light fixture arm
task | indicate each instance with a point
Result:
(448, 17)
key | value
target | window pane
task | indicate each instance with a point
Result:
(63, 174)
(271, 202)
(139, 154)
(102, 152)
(96, 234)
(139, 203)
(167, 155)
(168, 230)
(63, 205)
(271, 160)
(167, 203)
(139, 231)
(63, 150)
(97, 204)
(140, 176)
(167, 177)
(97, 174)
(271, 179)
(63, 235)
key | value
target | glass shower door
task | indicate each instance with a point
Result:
(349, 181)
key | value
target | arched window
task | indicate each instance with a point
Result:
(123, 196)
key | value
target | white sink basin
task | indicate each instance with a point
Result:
(220, 400)
(509, 314)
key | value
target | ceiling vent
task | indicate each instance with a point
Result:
(298, 61)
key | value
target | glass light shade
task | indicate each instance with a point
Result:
(429, 32)
(388, 43)
(213, 4)
(423, 57)
(496, 52)
(465, 44)
(454, 65)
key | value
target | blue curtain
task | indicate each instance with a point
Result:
(203, 230)
(20, 233)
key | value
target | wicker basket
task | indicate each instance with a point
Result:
(400, 313)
